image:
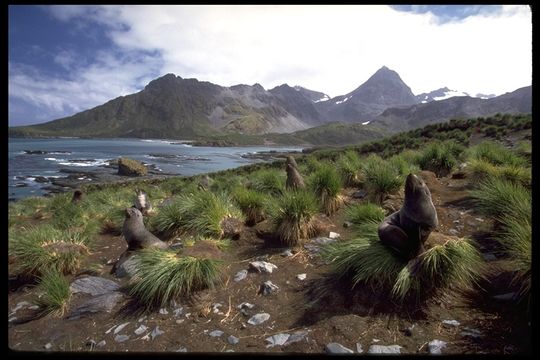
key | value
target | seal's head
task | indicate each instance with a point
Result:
(415, 187)
(133, 213)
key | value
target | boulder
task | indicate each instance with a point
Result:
(130, 167)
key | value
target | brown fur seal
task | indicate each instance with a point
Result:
(77, 196)
(290, 160)
(205, 182)
(406, 230)
(136, 234)
(142, 203)
(294, 179)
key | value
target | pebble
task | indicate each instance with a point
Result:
(451, 322)
(278, 339)
(258, 319)
(34, 307)
(435, 346)
(333, 235)
(268, 288)
(182, 349)
(121, 338)
(163, 311)
(301, 276)
(468, 332)
(287, 253)
(156, 332)
(336, 348)
(120, 327)
(48, 346)
(216, 333)
(179, 321)
(233, 340)
(359, 348)
(108, 331)
(241, 275)
(245, 305)
(384, 349)
(141, 329)
(19, 306)
(102, 343)
(453, 231)
(178, 312)
(296, 336)
(263, 266)
(347, 224)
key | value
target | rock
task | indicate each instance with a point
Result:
(216, 333)
(93, 285)
(268, 288)
(105, 302)
(435, 346)
(178, 312)
(451, 323)
(384, 349)
(472, 333)
(323, 240)
(120, 327)
(19, 306)
(287, 253)
(336, 348)
(359, 348)
(231, 227)
(258, 319)
(278, 339)
(360, 194)
(241, 275)
(233, 340)
(130, 167)
(215, 308)
(182, 349)
(163, 311)
(33, 307)
(127, 268)
(141, 329)
(41, 179)
(453, 231)
(48, 346)
(347, 224)
(111, 329)
(506, 297)
(102, 343)
(121, 338)
(156, 332)
(333, 235)
(243, 306)
(296, 337)
(262, 266)
(301, 277)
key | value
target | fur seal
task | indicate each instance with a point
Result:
(292, 161)
(136, 235)
(406, 230)
(205, 182)
(77, 196)
(142, 203)
(294, 179)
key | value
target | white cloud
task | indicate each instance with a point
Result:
(332, 49)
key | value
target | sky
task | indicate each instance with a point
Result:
(63, 59)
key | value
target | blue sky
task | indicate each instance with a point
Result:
(66, 59)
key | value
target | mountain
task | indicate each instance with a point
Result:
(382, 90)
(314, 96)
(446, 93)
(299, 104)
(410, 117)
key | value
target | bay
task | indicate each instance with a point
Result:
(30, 159)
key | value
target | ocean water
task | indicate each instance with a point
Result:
(169, 156)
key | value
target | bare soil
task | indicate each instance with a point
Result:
(346, 316)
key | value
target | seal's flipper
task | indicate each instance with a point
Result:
(395, 238)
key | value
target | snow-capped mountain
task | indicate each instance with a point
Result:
(446, 93)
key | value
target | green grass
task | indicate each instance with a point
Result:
(497, 197)
(55, 293)
(361, 213)
(496, 154)
(326, 184)
(380, 177)
(348, 165)
(45, 247)
(251, 203)
(440, 157)
(405, 163)
(269, 181)
(292, 215)
(162, 276)
(481, 169)
(200, 213)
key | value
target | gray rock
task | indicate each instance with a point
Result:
(141, 329)
(268, 288)
(296, 337)
(102, 343)
(121, 338)
(48, 346)
(93, 285)
(347, 224)
(233, 340)
(278, 339)
(384, 349)
(19, 306)
(178, 312)
(258, 319)
(451, 323)
(245, 305)
(334, 235)
(156, 332)
(216, 333)
(163, 311)
(472, 333)
(182, 349)
(435, 346)
(336, 348)
(241, 275)
(127, 268)
(360, 194)
(506, 297)
(323, 241)
(262, 266)
(287, 253)
(453, 231)
(120, 327)
(105, 302)
(301, 277)
(215, 308)
(359, 348)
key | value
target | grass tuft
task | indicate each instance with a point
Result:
(440, 157)
(252, 204)
(269, 181)
(361, 213)
(55, 295)
(380, 177)
(326, 184)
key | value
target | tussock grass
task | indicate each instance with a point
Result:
(251, 203)
(405, 163)
(55, 296)
(292, 215)
(326, 184)
(497, 197)
(162, 276)
(380, 177)
(361, 213)
(481, 169)
(45, 247)
(34, 207)
(440, 157)
(200, 213)
(456, 264)
(348, 166)
(269, 181)
(496, 154)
